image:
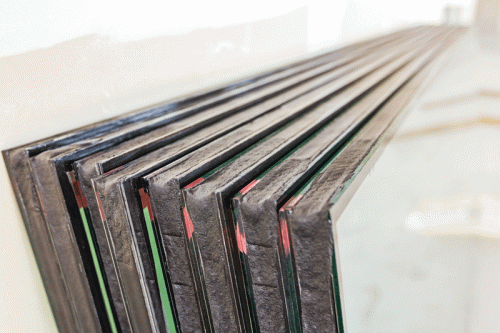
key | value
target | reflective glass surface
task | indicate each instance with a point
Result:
(419, 241)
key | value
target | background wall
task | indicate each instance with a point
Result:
(64, 64)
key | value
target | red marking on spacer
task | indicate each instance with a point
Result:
(80, 197)
(146, 202)
(194, 183)
(188, 222)
(241, 239)
(41, 201)
(285, 239)
(101, 209)
(296, 200)
(249, 186)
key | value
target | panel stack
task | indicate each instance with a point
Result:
(211, 212)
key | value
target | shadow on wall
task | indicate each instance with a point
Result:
(88, 78)
(487, 25)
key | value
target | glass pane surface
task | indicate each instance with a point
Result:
(419, 241)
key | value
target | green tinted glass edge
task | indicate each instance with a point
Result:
(165, 300)
(100, 278)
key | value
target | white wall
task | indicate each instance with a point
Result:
(30, 25)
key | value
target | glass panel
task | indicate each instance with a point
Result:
(419, 240)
